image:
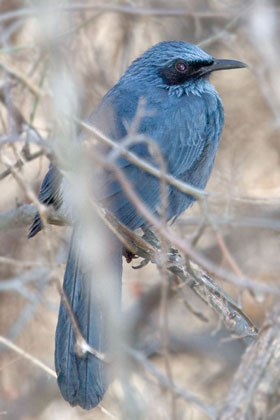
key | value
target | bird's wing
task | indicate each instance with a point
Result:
(145, 185)
(49, 195)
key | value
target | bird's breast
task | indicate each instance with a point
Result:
(192, 146)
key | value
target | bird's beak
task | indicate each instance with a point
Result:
(227, 65)
(222, 65)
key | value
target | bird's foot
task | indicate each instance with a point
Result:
(128, 255)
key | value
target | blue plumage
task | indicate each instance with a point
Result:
(84, 380)
(184, 116)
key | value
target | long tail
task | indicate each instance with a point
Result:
(84, 380)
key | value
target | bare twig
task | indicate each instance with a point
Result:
(42, 209)
(27, 356)
(8, 343)
(165, 382)
(15, 72)
(20, 163)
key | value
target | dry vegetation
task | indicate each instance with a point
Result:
(59, 58)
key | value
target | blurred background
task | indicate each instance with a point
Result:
(68, 54)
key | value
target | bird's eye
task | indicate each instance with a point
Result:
(181, 66)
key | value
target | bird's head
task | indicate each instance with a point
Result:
(177, 66)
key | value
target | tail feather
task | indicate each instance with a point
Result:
(84, 380)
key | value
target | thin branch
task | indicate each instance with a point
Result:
(17, 283)
(8, 343)
(165, 382)
(15, 72)
(20, 163)
(42, 209)
(268, 222)
(27, 356)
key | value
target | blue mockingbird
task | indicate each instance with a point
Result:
(185, 118)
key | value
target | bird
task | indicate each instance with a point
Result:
(184, 118)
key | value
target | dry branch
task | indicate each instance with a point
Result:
(27, 356)
(15, 72)
(256, 386)
(164, 382)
